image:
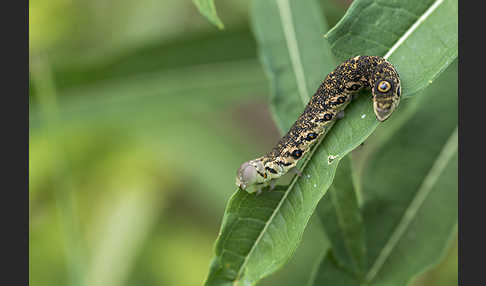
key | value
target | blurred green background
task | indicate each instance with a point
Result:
(140, 114)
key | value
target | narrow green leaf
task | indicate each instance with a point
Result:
(207, 8)
(419, 36)
(294, 54)
(341, 216)
(410, 194)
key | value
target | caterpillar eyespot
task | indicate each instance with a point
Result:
(384, 86)
(331, 98)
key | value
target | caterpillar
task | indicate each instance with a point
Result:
(324, 107)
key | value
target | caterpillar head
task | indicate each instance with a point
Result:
(250, 173)
(386, 91)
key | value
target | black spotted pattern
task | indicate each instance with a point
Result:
(332, 96)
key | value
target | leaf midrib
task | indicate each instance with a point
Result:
(293, 48)
(414, 27)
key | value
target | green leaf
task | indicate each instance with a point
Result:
(410, 194)
(207, 8)
(293, 52)
(260, 233)
(341, 217)
(419, 37)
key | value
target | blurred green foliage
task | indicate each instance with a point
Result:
(139, 117)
